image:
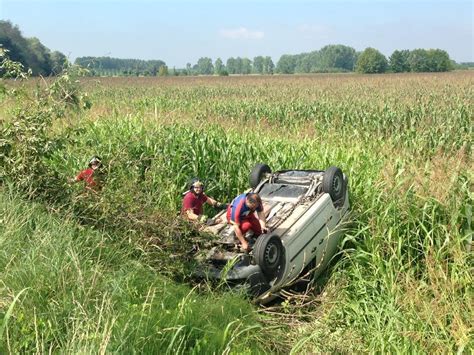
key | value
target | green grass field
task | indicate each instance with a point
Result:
(110, 273)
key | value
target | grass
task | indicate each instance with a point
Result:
(72, 289)
(402, 283)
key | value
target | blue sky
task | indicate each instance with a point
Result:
(179, 32)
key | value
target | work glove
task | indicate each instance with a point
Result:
(202, 218)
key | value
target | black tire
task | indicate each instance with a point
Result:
(257, 284)
(257, 173)
(333, 183)
(269, 254)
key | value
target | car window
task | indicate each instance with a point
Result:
(282, 191)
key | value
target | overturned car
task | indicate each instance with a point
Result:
(305, 211)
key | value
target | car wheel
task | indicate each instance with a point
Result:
(269, 254)
(257, 174)
(333, 183)
(257, 284)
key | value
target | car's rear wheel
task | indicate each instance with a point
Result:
(333, 183)
(257, 174)
(269, 254)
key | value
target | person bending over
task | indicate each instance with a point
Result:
(246, 213)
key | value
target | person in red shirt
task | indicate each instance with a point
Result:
(89, 175)
(194, 200)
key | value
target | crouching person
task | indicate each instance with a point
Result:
(194, 200)
(90, 176)
(246, 213)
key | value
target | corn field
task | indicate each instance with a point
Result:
(402, 281)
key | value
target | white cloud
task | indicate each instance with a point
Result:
(315, 31)
(241, 33)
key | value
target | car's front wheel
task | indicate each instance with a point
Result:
(269, 254)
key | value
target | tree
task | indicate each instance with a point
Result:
(163, 71)
(30, 52)
(231, 65)
(238, 65)
(58, 61)
(218, 66)
(204, 66)
(246, 66)
(399, 61)
(258, 65)
(268, 66)
(438, 60)
(371, 61)
(337, 57)
(303, 63)
(286, 64)
(418, 60)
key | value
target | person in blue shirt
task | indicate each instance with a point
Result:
(246, 213)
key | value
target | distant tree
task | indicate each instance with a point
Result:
(218, 66)
(231, 65)
(258, 65)
(58, 61)
(246, 66)
(41, 57)
(238, 65)
(439, 61)
(163, 71)
(28, 51)
(399, 61)
(115, 66)
(337, 57)
(418, 60)
(235, 65)
(371, 61)
(286, 64)
(204, 66)
(12, 40)
(303, 63)
(268, 66)
(188, 69)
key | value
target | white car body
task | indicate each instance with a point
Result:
(307, 220)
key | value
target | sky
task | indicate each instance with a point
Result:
(180, 32)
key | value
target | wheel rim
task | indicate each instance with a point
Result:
(337, 185)
(271, 254)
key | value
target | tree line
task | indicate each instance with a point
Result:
(106, 66)
(331, 58)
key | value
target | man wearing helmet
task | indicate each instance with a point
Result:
(89, 175)
(241, 214)
(194, 200)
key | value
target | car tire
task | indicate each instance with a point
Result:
(269, 254)
(333, 183)
(257, 284)
(257, 174)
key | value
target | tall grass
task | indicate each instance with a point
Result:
(71, 289)
(403, 282)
